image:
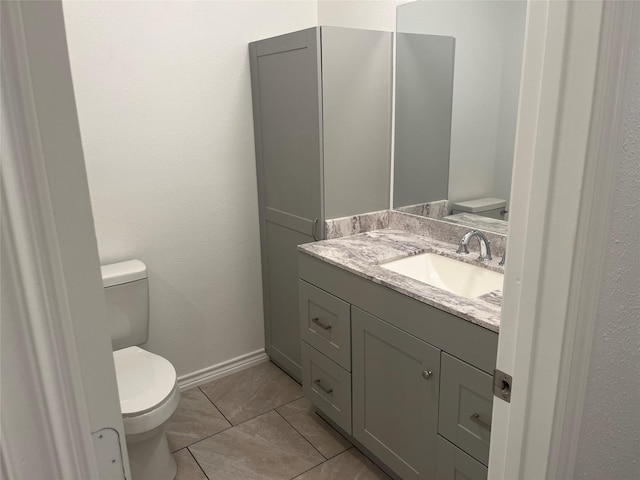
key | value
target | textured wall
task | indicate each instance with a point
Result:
(164, 102)
(610, 437)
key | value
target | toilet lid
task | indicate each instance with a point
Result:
(145, 380)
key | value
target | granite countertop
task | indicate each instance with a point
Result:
(361, 254)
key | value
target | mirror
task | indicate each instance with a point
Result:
(458, 69)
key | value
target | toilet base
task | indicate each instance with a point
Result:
(150, 457)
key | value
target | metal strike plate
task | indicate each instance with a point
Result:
(108, 453)
(502, 383)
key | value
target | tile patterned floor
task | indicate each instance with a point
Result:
(256, 424)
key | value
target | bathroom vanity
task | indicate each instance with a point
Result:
(404, 369)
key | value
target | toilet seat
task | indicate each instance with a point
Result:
(147, 389)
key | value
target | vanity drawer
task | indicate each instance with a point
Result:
(325, 323)
(454, 464)
(327, 385)
(466, 402)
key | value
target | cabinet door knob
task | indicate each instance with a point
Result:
(427, 374)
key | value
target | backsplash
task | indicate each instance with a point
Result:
(430, 227)
(366, 222)
(437, 210)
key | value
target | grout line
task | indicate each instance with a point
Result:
(215, 406)
(302, 435)
(198, 463)
(259, 414)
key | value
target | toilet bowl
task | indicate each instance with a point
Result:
(147, 384)
(149, 395)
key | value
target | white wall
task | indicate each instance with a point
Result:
(609, 444)
(367, 14)
(164, 102)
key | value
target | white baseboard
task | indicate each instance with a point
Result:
(199, 377)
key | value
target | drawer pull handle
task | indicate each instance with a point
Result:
(322, 387)
(322, 325)
(475, 418)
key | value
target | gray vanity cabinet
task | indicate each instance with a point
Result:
(395, 395)
(322, 127)
(417, 393)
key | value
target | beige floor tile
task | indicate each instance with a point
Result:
(194, 419)
(188, 468)
(320, 434)
(251, 392)
(350, 465)
(263, 448)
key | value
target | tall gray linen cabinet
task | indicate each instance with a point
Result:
(322, 122)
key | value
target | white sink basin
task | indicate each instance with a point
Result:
(456, 277)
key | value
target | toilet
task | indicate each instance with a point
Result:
(486, 207)
(147, 383)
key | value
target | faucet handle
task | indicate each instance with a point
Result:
(504, 257)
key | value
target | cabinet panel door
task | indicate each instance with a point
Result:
(281, 297)
(285, 78)
(286, 97)
(395, 398)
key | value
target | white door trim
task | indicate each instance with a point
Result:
(38, 343)
(60, 410)
(567, 128)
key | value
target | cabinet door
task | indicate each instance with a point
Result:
(395, 379)
(286, 111)
(286, 98)
(282, 327)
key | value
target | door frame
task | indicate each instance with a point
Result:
(569, 125)
(58, 375)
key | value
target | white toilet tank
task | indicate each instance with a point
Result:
(127, 291)
(486, 207)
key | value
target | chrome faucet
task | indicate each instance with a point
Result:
(485, 249)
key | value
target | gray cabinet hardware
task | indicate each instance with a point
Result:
(320, 323)
(476, 419)
(322, 387)
(313, 229)
(427, 374)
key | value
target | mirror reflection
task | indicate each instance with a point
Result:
(458, 69)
